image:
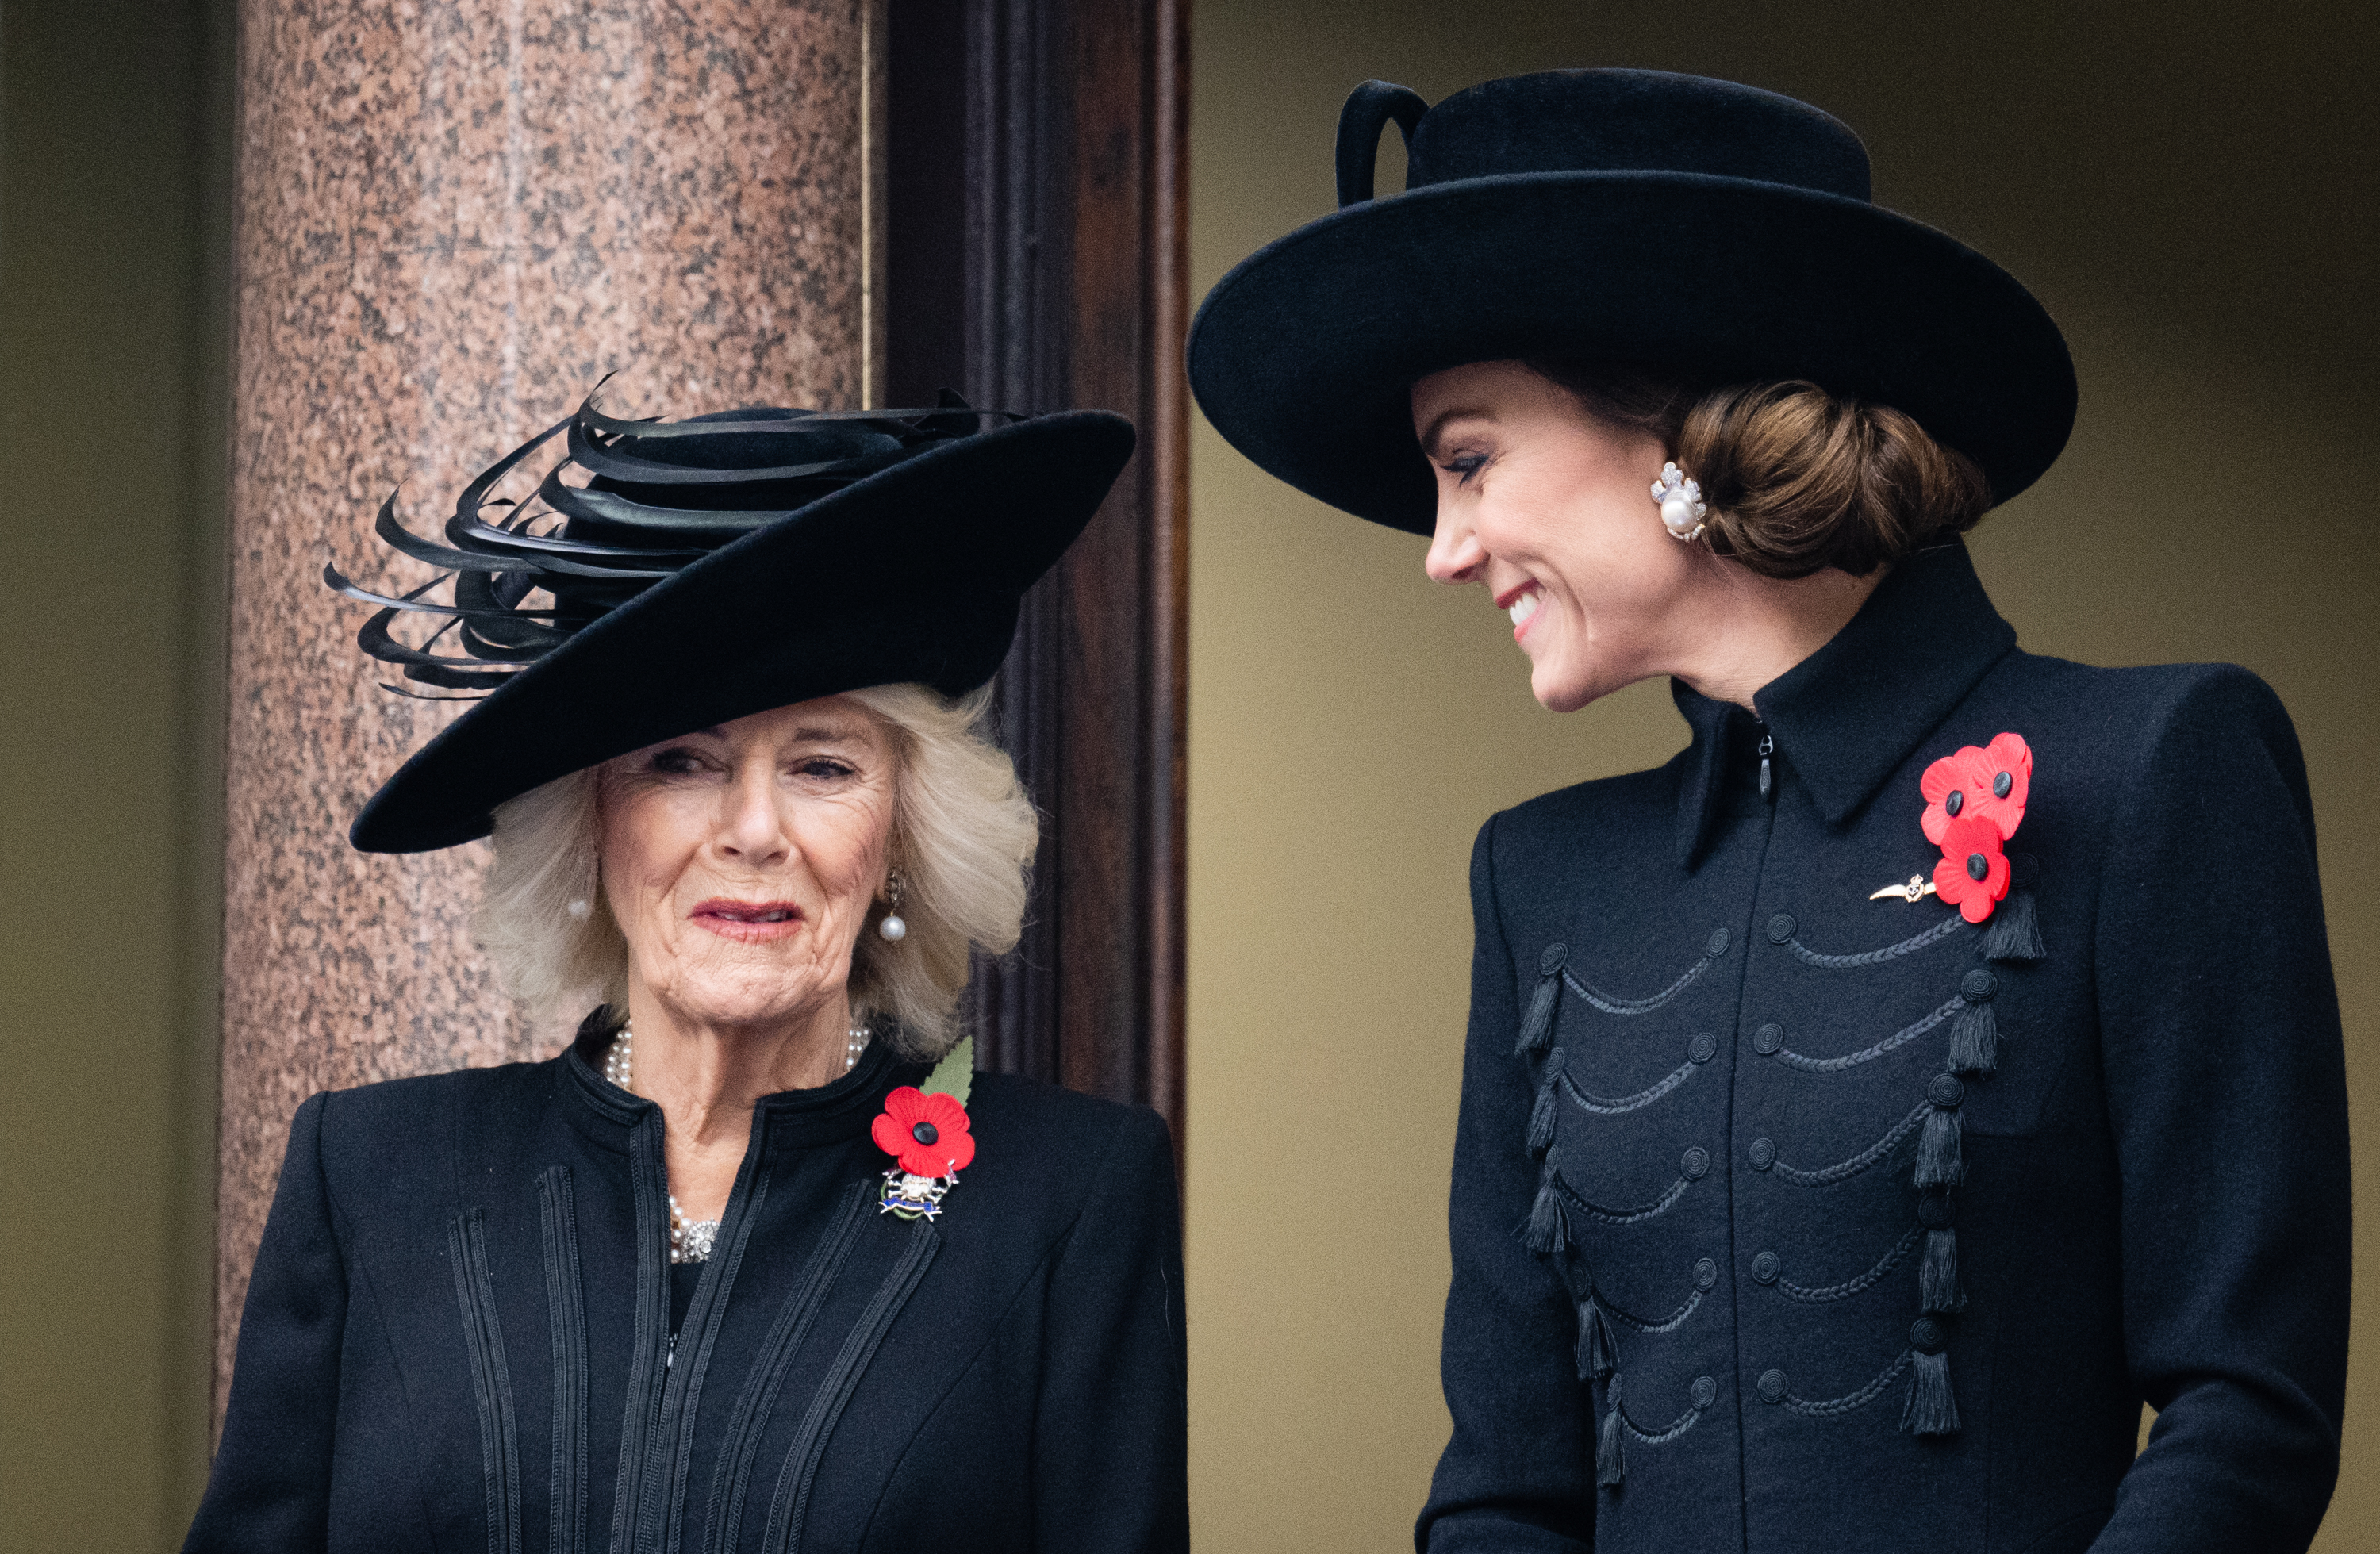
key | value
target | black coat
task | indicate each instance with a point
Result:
(1817, 1269)
(459, 1332)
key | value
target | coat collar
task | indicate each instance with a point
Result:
(843, 1108)
(1849, 715)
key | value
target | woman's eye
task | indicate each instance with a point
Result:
(1466, 466)
(821, 767)
(676, 762)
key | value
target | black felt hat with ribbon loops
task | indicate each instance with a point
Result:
(706, 569)
(1715, 231)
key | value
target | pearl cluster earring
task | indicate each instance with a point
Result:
(1682, 507)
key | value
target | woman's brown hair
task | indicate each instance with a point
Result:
(1797, 480)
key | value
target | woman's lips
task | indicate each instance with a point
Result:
(1522, 605)
(750, 922)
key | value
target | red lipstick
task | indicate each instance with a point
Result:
(748, 922)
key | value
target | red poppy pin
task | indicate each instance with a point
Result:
(1975, 801)
(928, 1133)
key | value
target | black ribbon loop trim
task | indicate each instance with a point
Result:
(1369, 108)
(642, 516)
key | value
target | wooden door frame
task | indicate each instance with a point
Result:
(1038, 260)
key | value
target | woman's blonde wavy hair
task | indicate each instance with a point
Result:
(963, 834)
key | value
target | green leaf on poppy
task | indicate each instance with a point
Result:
(955, 1075)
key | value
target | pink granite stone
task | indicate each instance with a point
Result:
(453, 219)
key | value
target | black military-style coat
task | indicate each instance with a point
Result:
(1786, 1219)
(460, 1333)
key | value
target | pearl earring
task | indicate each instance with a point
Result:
(581, 908)
(893, 928)
(1682, 507)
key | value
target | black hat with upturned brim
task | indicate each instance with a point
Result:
(1706, 230)
(720, 566)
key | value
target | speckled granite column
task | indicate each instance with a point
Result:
(455, 216)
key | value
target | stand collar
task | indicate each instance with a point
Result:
(1850, 714)
(840, 1109)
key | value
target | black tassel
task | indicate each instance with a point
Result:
(2014, 934)
(1931, 1410)
(1939, 1163)
(1610, 1466)
(1937, 1274)
(1537, 1028)
(1595, 1350)
(1548, 1231)
(1975, 1041)
(1541, 1116)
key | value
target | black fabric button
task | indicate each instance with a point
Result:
(1696, 1164)
(1953, 801)
(1781, 927)
(1720, 940)
(1702, 1047)
(1766, 1267)
(1706, 1273)
(1979, 986)
(1946, 1090)
(1767, 1039)
(1934, 1211)
(2001, 783)
(1706, 1391)
(1978, 866)
(1763, 1153)
(1772, 1386)
(2024, 868)
(1551, 961)
(925, 1133)
(1925, 1336)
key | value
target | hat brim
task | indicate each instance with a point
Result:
(913, 573)
(1302, 355)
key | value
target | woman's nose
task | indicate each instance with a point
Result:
(1455, 554)
(753, 829)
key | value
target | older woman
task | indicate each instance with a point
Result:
(1864, 1114)
(757, 1264)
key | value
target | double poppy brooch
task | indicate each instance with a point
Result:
(925, 1130)
(1975, 801)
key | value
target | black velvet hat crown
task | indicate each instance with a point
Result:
(710, 568)
(1712, 230)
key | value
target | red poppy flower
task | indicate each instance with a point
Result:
(927, 1133)
(1974, 873)
(1981, 782)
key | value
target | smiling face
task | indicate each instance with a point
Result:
(741, 863)
(1548, 507)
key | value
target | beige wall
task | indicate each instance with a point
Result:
(110, 721)
(2181, 210)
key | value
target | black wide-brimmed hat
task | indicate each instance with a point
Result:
(1709, 231)
(710, 568)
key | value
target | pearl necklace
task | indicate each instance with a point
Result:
(691, 1239)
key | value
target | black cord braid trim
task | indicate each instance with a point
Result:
(1850, 1403)
(1669, 1324)
(1843, 1171)
(1660, 1437)
(491, 1386)
(1892, 1260)
(1602, 1107)
(1909, 946)
(1675, 1191)
(1611, 1003)
(1869, 1054)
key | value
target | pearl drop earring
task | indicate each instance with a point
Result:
(893, 928)
(581, 908)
